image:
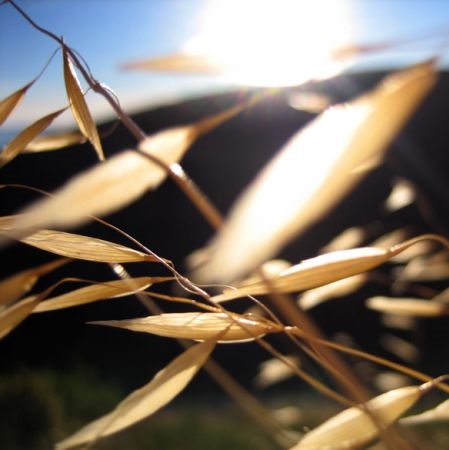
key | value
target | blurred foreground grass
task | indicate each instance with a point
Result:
(40, 407)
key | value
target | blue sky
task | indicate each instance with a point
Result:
(109, 32)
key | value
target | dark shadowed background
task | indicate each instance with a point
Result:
(61, 345)
(57, 372)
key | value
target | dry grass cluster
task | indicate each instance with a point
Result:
(289, 195)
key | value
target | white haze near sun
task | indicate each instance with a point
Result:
(264, 42)
(273, 42)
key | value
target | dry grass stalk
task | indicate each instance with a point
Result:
(320, 270)
(399, 347)
(353, 427)
(405, 370)
(8, 104)
(13, 287)
(438, 414)
(337, 289)
(145, 401)
(264, 218)
(414, 307)
(358, 132)
(349, 238)
(79, 106)
(100, 291)
(116, 182)
(18, 144)
(402, 195)
(76, 246)
(52, 142)
(14, 315)
(426, 268)
(274, 371)
(199, 326)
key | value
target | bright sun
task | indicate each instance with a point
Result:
(273, 42)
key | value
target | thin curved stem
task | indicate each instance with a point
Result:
(198, 198)
(367, 356)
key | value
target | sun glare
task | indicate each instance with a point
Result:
(273, 42)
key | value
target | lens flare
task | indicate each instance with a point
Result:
(273, 43)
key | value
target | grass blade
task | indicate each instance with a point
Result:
(337, 289)
(438, 414)
(312, 272)
(165, 386)
(8, 104)
(243, 67)
(316, 168)
(353, 427)
(13, 316)
(76, 246)
(275, 371)
(198, 326)
(16, 146)
(401, 348)
(414, 307)
(402, 195)
(426, 268)
(116, 182)
(52, 142)
(348, 238)
(98, 191)
(15, 286)
(442, 297)
(321, 270)
(178, 63)
(89, 294)
(79, 106)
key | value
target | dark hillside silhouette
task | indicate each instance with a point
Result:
(222, 163)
